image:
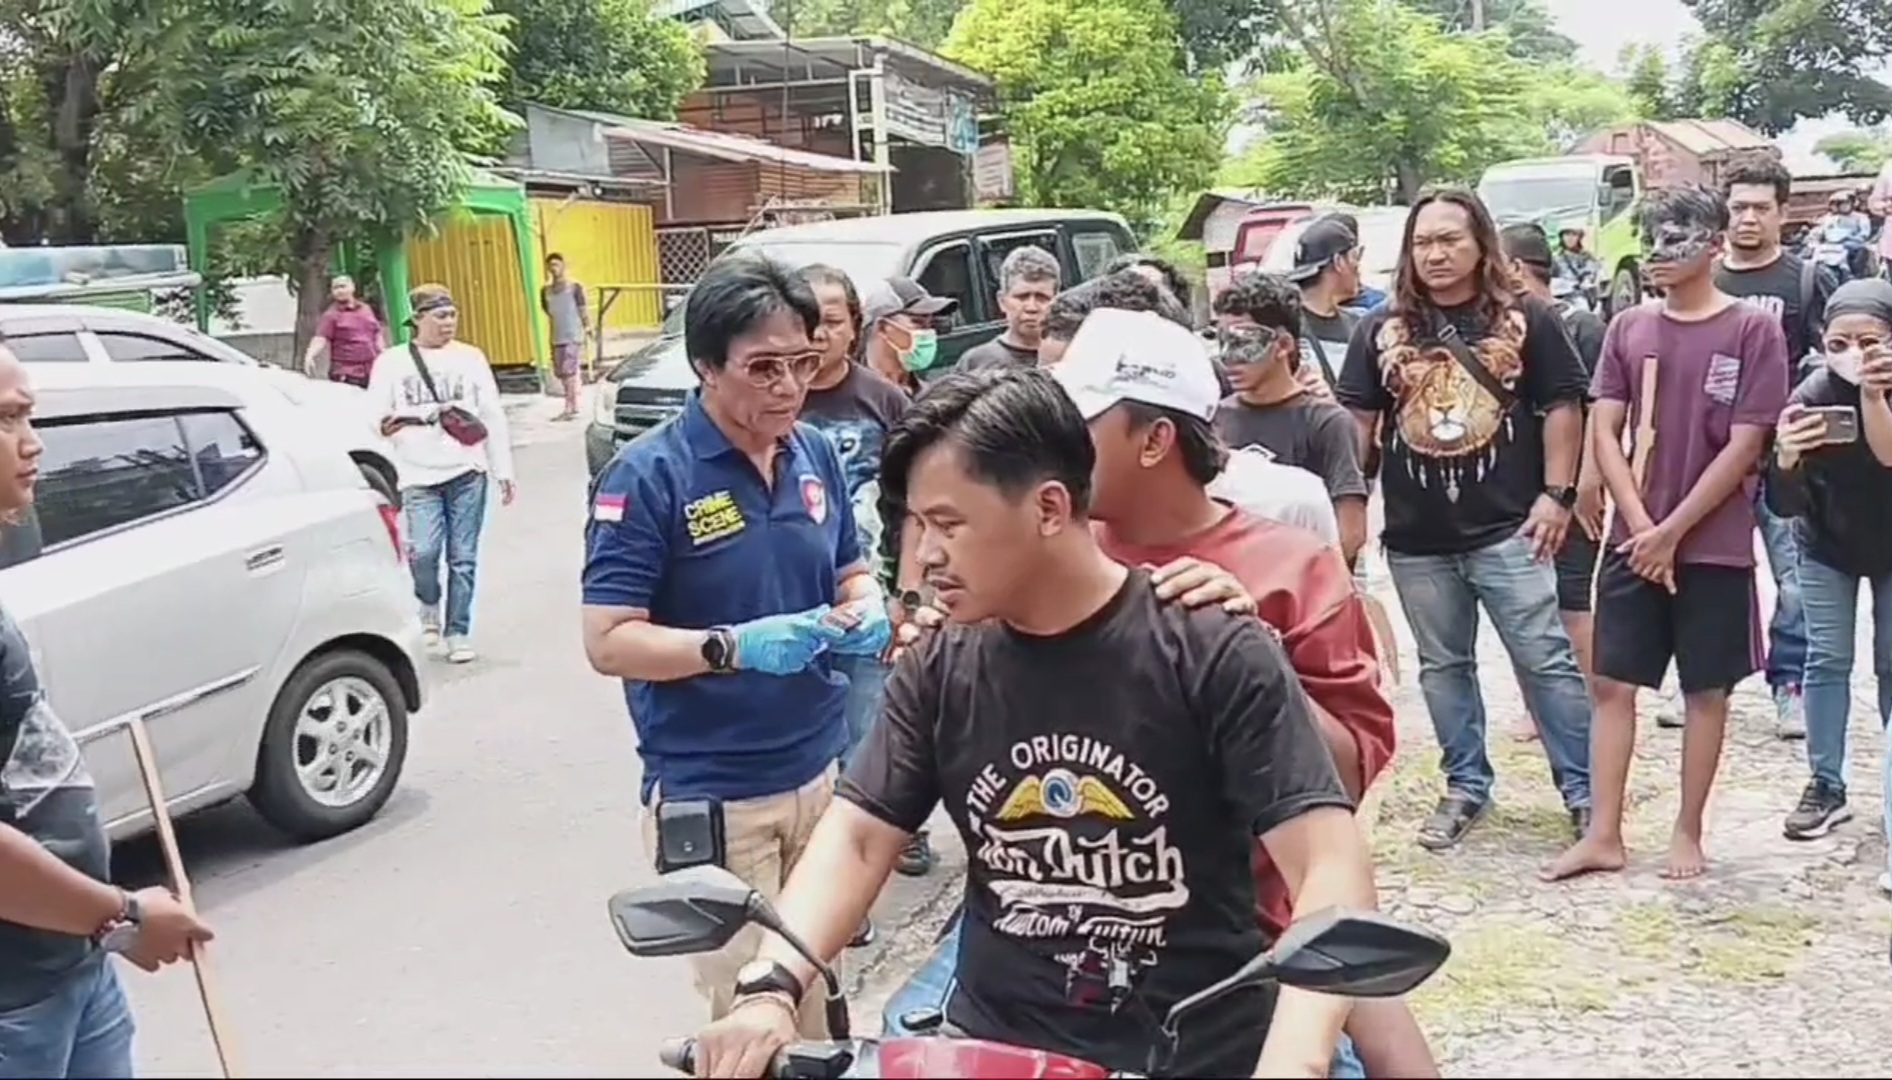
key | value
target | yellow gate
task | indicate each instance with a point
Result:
(604, 243)
(476, 256)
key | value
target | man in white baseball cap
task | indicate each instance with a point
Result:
(1149, 393)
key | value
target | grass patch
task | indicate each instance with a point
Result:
(1735, 947)
(1498, 969)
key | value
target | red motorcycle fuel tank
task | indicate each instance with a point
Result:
(936, 1058)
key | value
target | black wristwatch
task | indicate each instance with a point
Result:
(1565, 495)
(767, 977)
(719, 650)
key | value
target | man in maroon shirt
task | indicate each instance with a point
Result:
(350, 332)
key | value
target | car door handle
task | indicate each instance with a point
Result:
(263, 560)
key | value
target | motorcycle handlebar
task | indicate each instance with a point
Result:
(678, 1054)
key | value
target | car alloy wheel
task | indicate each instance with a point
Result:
(342, 742)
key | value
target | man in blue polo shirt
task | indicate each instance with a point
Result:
(723, 574)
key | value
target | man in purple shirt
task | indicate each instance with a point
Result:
(1677, 580)
(350, 332)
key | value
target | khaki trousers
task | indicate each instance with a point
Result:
(762, 839)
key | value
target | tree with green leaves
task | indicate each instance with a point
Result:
(1863, 150)
(1358, 118)
(360, 112)
(1528, 24)
(1771, 63)
(1095, 97)
(922, 22)
(84, 123)
(611, 55)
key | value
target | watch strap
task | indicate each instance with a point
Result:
(772, 978)
(719, 650)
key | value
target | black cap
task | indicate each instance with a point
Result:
(1526, 243)
(903, 296)
(1323, 241)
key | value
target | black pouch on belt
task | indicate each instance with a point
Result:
(689, 833)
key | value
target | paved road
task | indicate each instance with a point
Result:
(464, 932)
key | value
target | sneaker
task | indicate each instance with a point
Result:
(1822, 808)
(430, 627)
(1790, 713)
(459, 651)
(916, 859)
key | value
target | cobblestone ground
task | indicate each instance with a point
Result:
(1773, 965)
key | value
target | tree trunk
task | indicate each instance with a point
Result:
(1478, 16)
(314, 250)
(72, 109)
(1408, 178)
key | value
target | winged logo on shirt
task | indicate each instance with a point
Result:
(1061, 793)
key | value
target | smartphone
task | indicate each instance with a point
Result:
(1842, 423)
(689, 833)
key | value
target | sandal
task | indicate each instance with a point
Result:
(1455, 816)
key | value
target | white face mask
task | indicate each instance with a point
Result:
(1846, 364)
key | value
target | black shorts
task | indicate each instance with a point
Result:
(1576, 569)
(1710, 627)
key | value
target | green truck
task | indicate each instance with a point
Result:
(1589, 192)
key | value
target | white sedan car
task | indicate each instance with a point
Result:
(203, 553)
(78, 333)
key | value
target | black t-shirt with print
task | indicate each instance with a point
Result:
(1461, 466)
(1781, 288)
(856, 414)
(1307, 432)
(46, 793)
(1109, 783)
(1324, 340)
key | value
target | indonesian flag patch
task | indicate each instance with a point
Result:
(608, 508)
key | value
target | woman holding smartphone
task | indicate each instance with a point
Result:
(1832, 472)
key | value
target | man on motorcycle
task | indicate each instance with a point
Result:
(1845, 231)
(1109, 761)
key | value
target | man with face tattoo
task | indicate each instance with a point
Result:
(1677, 576)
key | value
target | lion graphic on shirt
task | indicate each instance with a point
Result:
(1441, 410)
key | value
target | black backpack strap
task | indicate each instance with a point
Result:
(426, 376)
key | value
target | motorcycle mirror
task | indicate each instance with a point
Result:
(1358, 954)
(1354, 954)
(696, 910)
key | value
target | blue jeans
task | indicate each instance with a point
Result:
(866, 678)
(84, 1030)
(1830, 600)
(1787, 633)
(446, 518)
(1441, 595)
(932, 985)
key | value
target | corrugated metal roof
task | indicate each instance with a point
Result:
(1710, 136)
(722, 145)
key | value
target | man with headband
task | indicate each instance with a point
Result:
(1677, 577)
(1832, 473)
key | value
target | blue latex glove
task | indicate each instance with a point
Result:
(871, 634)
(784, 644)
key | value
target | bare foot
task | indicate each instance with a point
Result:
(1524, 729)
(1686, 859)
(1586, 856)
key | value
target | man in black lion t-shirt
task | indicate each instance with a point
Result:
(1108, 760)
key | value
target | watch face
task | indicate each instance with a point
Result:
(119, 938)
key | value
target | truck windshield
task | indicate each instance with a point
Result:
(1526, 196)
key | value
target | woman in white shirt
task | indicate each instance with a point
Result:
(440, 409)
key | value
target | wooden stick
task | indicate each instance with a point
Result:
(1640, 449)
(220, 1036)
